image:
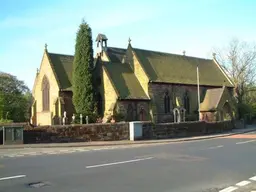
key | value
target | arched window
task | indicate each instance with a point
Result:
(167, 108)
(176, 115)
(182, 114)
(46, 94)
(186, 102)
(142, 114)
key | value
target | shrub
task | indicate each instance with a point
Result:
(6, 121)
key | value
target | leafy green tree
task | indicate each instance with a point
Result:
(15, 98)
(83, 91)
(1, 105)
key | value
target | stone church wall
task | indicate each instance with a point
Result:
(44, 117)
(209, 116)
(140, 73)
(176, 93)
(109, 95)
(134, 111)
(68, 105)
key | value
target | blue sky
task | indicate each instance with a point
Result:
(196, 26)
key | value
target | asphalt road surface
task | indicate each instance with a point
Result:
(222, 164)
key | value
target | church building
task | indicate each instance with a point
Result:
(137, 85)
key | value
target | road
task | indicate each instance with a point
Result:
(223, 164)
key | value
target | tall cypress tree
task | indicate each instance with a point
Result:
(83, 92)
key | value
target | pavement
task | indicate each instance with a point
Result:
(14, 151)
(221, 164)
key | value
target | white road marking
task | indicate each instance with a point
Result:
(64, 150)
(228, 189)
(50, 152)
(72, 151)
(104, 148)
(253, 178)
(120, 162)
(243, 142)
(97, 149)
(32, 153)
(10, 155)
(12, 177)
(81, 150)
(243, 183)
(19, 155)
(216, 147)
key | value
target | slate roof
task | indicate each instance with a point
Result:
(124, 81)
(63, 67)
(101, 37)
(211, 99)
(160, 67)
(116, 54)
(172, 68)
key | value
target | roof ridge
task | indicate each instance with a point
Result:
(119, 64)
(60, 54)
(53, 69)
(173, 54)
(116, 48)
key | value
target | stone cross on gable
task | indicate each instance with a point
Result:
(45, 46)
(129, 40)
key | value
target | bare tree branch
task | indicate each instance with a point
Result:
(239, 61)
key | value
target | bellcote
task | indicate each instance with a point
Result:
(101, 43)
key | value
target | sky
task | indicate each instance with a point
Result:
(196, 26)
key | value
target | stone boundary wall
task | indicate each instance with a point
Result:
(118, 131)
(77, 133)
(183, 129)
